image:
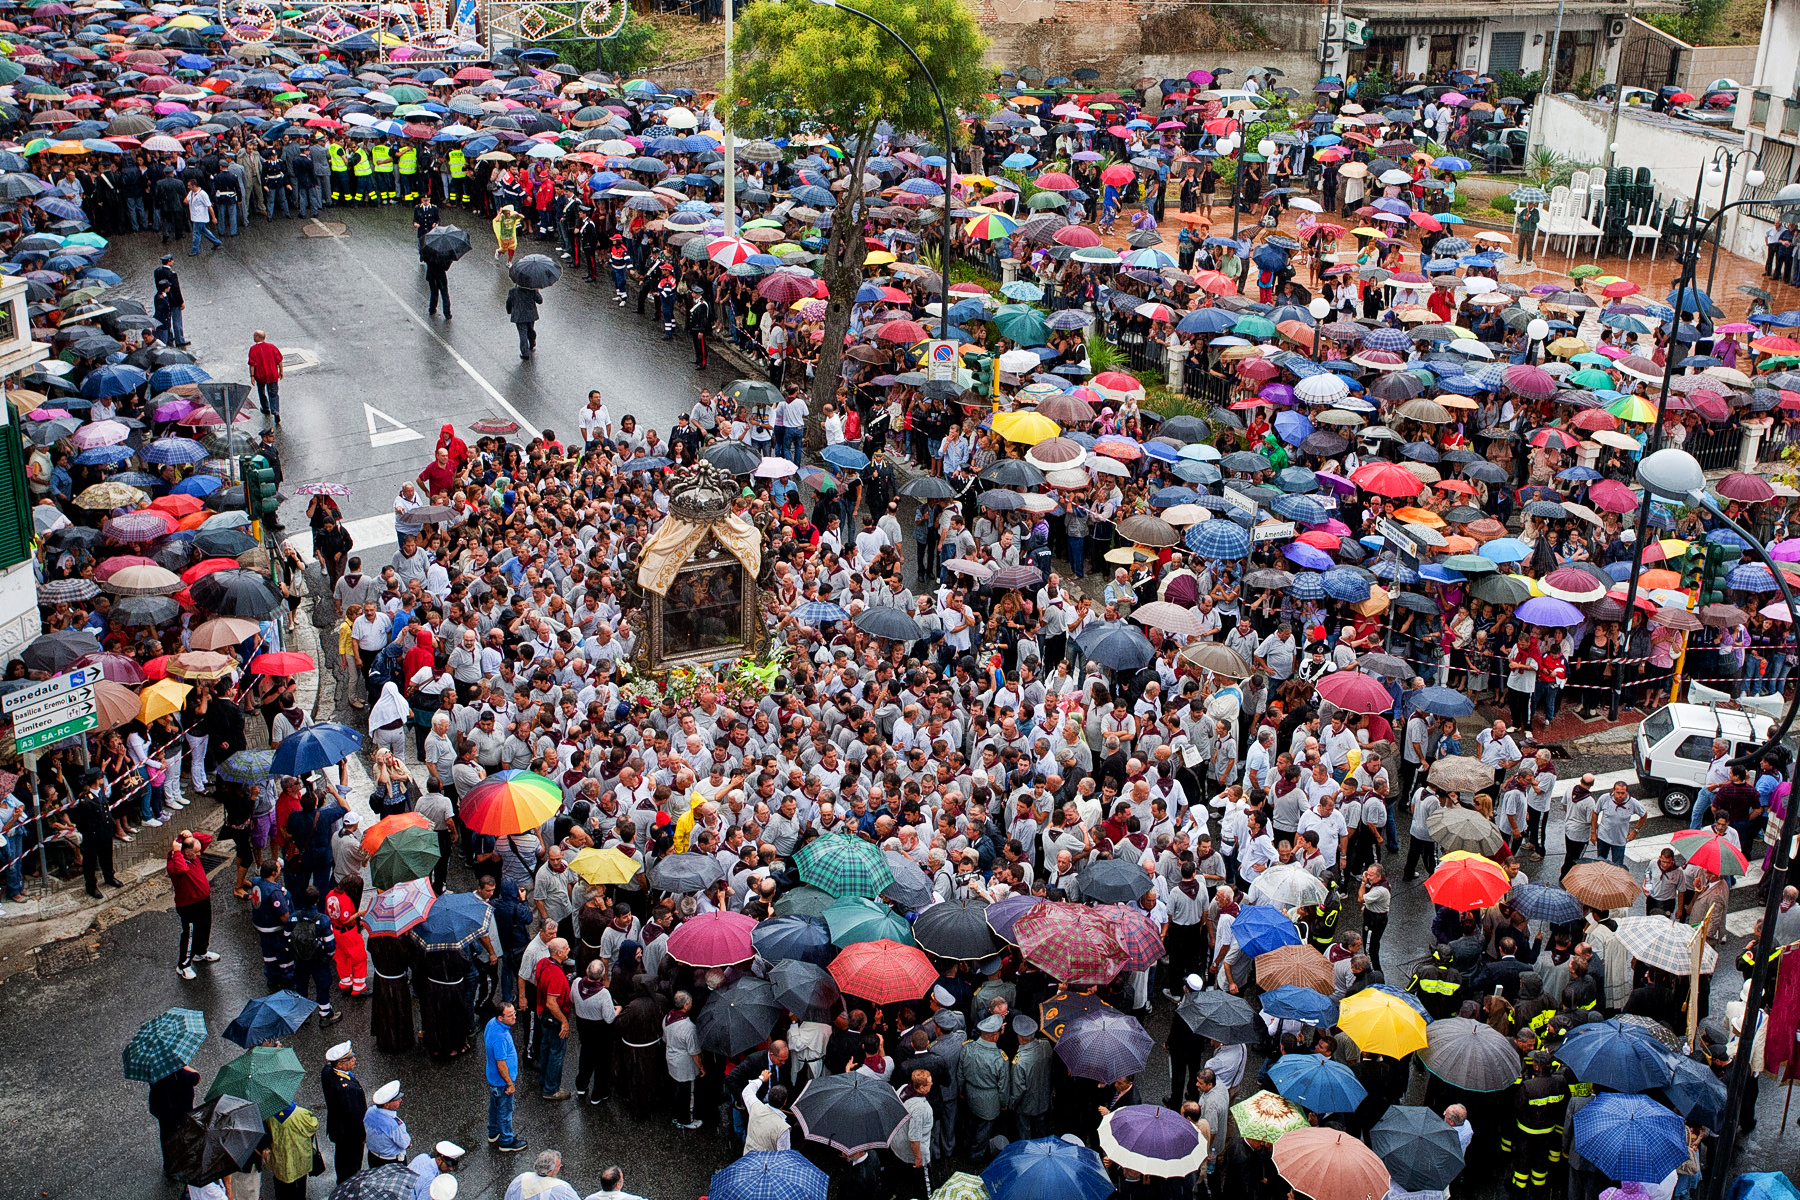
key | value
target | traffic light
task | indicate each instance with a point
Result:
(259, 487)
(1691, 564)
(1720, 559)
(983, 367)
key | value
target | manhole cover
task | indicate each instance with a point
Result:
(319, 229)
(296, 361)
(70, 954)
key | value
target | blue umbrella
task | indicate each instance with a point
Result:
(1746, 577)
(1260, 928)
(113, 379)
(177, 450)
(1763, 1185)
(198, 485)
(1540, 902)
(1206, 320)
(1630, 1138)
(1307, 585)
(1293, 427)
(1218, 539)
(1394, 572)
(1438, 573)
(773, 1175)
(1169, 497)
(267, 1018)
(164, 378)
(1609, 1054)
(1440, 702)
(1037, 1168)
(1291, 1002)
(1341, 583)
(456, 919)
(1699, 1095)
(847, 458)
(1310, 557)
(1505, 550)
(102, 456)
(794, 937)
(1303, 509)
(816, 613)
(1119, 646)
(315, 748)
(1202, 473)
(1317, 1083)
(1104, 1046)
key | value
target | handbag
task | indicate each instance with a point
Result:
(318, 1162)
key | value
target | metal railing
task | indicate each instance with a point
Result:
(1716, 448)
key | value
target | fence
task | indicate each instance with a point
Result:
(1143, 354)
(1775, 441)
(1207, 387)
(1716, 449)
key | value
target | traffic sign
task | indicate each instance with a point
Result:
(1238, 498)
(1404, 545)
(1270, 531)
(69, 681)
(56, 733)
(941, 360)
(53, 710)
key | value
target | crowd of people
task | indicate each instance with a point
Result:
(905, 885)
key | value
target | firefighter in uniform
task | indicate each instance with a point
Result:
(1322, 924)
(619, 258)
(409, 173)
(340, 173)
(665, 300)
(363, 172)
(459, 177)
(1541, 1103)
(1438, 985)
(381, 157)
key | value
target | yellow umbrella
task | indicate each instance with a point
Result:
(161, 698)
(188, 21)
(1380, 1023)
(1566, 347)
(878, 258)
(1027, 428)
(1126, 556)
(1529, 582)
(610, 865)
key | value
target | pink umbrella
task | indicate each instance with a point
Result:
(172, 411)
(714, 939)
(100, 433)
(1786, 551)
(1356, 692)
(48, 414)
(1453, 98)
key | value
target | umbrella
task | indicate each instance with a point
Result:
(1104, 1046)
(738, 1018)
(267, 1076)
(1152, 1140)
(1300, 966)
(1317, 1083)
(319, 746)
(1613, 1056)
(1540, 902)
(269, 1018)
(911, 889)
(1381, 1024)
(409, 853)
(608, 866)
(713, 939)
(217, 1140)
(1290, 1002)
(508, 802)
(957, 929)
(1602, 886)
(850, 1112)
(964, 1186)
(805, 989)
(163, 1044)
(886, 621)
(535, 271)
(1468, 883)
(446, 242)
(859, 919)
(1463, 829)
(1073, 944)
(1696, 1093)
(1266, 1117)
(1422, 1153)
(1043, 1167)
(685, 873)
(843, 865)
(795, 938)
(884, 972)
(56, 652)
(1667, 945)
(1114, 881)
(1259, 928)
(391, 1181)
(1117, 646)
(400, 908)
(236, 594)
(1470, 1055)
(1329, 1164)
(1630, 1137)
(455, 921)
(1227, 1019)
(1461, 773)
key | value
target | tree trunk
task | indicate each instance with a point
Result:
(841, 269)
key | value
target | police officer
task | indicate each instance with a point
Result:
(425, 219)
(270, 907)
(587, 236)
(1540, 1104)
(1438, 985)
(345, 1105)
(987, 1084)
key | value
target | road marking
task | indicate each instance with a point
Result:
(366, 534)
(422, 323)
(388, 437)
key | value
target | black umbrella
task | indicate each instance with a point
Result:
(446, 242)
(394, 1181)
(223, 543)
(73, 537)
(57, 652)
(1227, 1019)
(535, 271)
(797, 938)
(886, 621)
(217, 1140)
(928, 487)
(684, 873)
(1012, 472)
(1118, 646)
(177, 556)
(805, 989)
(1468, 1054)
(1421, 1152)
(236, 594)
(739, 458)
(145, 610)
(850, 1112)
(739, 1018)
(753, 392)
(958, 930)
(911, 889)
(1113, 881)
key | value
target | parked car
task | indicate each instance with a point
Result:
(1674, 745)
(1505, 148)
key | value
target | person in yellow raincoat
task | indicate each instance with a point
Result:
(684, 824)
(506, 232)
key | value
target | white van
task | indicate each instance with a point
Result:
(1674, 745)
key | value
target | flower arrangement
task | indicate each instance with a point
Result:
(743, 679)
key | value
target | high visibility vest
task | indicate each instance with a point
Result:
(338, 162)
(459, 164)
(362, 166)
(384, 158)
(409, 161)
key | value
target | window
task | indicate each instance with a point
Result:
(1504, 52)
(1695, 747)
(1759, 109)
(1658, 725)
(1790, 117)
(1778, 167)
(15, 502)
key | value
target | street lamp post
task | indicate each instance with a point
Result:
(1227, 146)
(1676, 475)
(1320, 308)
(1536, 330)
(1695, 231)
(947, 243)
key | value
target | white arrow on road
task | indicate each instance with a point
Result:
(388, 437)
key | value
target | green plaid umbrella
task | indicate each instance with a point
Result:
(267, 1076)
(1266, 1116)
(844, 866)
(961, 1186)
(246, 767)
(163, 1044)
(409, 853)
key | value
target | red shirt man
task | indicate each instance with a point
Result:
(265, 370)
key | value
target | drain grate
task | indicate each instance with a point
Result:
(70, 954)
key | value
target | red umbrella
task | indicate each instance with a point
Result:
(882, 971)
(1073, 944)
(119, 562)
(206, 567)
(902, 331)
(1613, 496)
(1710, 852)
(1386, 479)
(1078, 236)
(715, 939)
(1466, 884)
(1118, 175)
(1355, 691)
(1595, 419)
(157, 668)
(282, 662)
(1055, 181)
(1142, 944)
(1750, 489)
(1328, 1164)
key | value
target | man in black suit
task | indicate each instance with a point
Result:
(166, 273)
(344, 1108)
(777, 1060)
(699, 322)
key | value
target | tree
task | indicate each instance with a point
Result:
(807, 67)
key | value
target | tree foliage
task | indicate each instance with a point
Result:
(806, 68)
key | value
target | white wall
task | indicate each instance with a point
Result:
(19, 622)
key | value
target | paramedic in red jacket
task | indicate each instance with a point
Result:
(193, 899)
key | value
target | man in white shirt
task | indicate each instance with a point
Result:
(1334, 835)
(1340, 741)
(1498, 751)
(595, 422)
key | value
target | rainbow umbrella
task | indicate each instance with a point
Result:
(992, 226)
(1633, 408)
(510, 802)
(400, 907)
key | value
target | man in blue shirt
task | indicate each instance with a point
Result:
(385, 1132)
(502, 1056)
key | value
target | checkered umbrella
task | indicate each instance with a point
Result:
(1075, 945)
(1104, 1046)
(1661, 943)
(962, 1186)
(391, 1181)
(1218, 539)
(163, 1044)
(1143, 946)
(844, 866)
(884, 972)
(1630, 1137)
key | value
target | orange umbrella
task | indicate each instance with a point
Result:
(1456, 543)
(1659, 579)
(193, 520)
(1455, 485)
(1419, 516)
(380, 831)
(1329, 1164)
(1301, 966)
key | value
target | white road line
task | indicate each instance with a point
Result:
(422, 323)
(367, 533)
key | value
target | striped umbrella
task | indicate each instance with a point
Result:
(1711, 852)
(398, 909)
(510, 802)
(844, 866)
(991, 226)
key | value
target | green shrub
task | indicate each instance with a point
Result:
(1503, 204)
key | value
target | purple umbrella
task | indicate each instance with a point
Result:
(1152, 1140)
(1104, 1046)
(1309, 557)
(1277, 393)
(172, 411)
(1549, 611)
(1002, 914)
(1336, 483)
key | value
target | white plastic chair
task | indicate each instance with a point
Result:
(1578, 187)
